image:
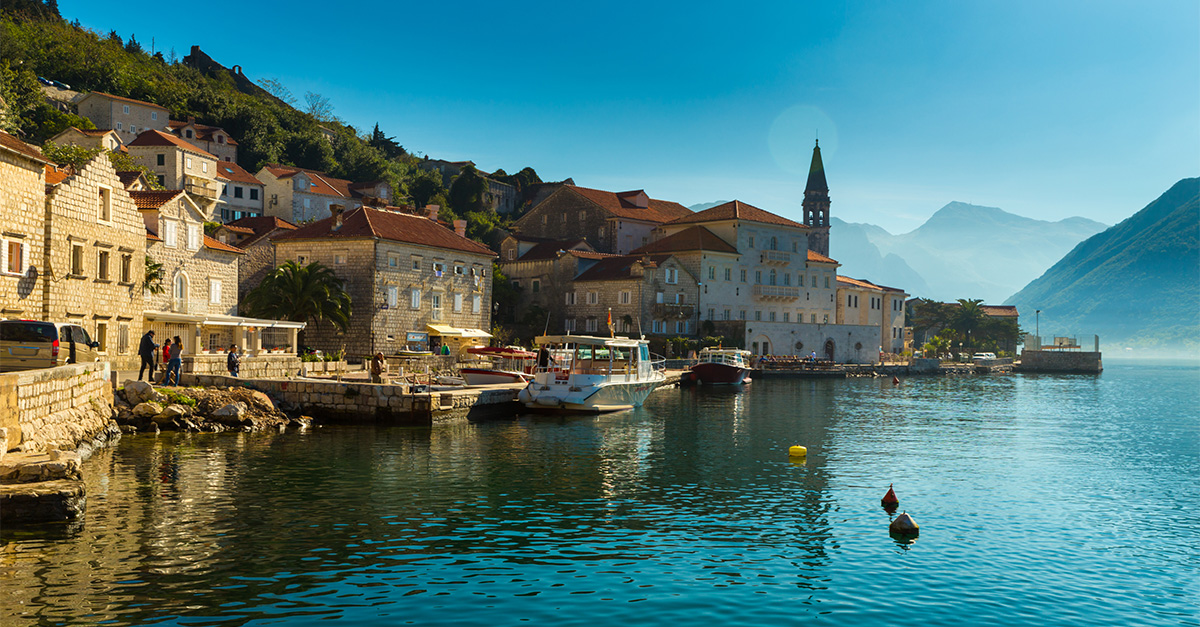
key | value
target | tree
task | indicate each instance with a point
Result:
(132, 45)
(386, 145)
(153, 282)
(318, 106)
(968, 319)
(467, 191)
(504, 295)
(311, 293)
(275, 88)
(424, 187)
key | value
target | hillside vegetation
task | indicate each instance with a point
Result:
(35, 41)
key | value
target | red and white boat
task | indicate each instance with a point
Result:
(509, 365)
(722, 366)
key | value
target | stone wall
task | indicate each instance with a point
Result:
(1060, 361)
(96, 296)
(566, 215)
(198, 267)
(22, 194)
(61, 407)
(254, 265)
(264, 366)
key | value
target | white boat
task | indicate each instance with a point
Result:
(581, 373)
(510, 364)
(722, 366)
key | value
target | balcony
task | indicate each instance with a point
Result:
(200, 187)
(776, 257)
(667, 311)
(776, 292)
(184, 306)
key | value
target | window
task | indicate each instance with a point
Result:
(771, 277)
(125, 109)
(826, 281)
(237, 191)
(743, 276)
(600, 232)
(545, 218)
(220, 139)
(393, 296)
(415, 298)
(773, 244)
(193, 237)
(681, 326)
(569, 325)
(123, 338)
(101, 337)
(592, 324)
(712, 313)
(849, 300)
(728, 271)
(680, 298)
(224, 190)
(757, 315)
(742, 315)
(537, 286)
(169, 236)
(436, 300)
(655, 327)
(672, 275)
(77, 259)
(569, 298)
(799, 280)
(624, 297)
(393, 262)
(105, 210)
(658, 298)
(564, 218)
(416, 264)
(758, 277)
(204, 166)
(812, 318)
(15, 257)
(102, 265)
(188, 163)
(582, 216)
(787, 315)
(339, 259)
(751, 241)
(188, 133)
(593, 298)
(214, 291)
(439, 268)
(253, 193)
(511, 254)
(459, 271)
(154, 115)
(726, 315)
(826, 319)
(771, 316)
(120, 127)
(162, 159)
(458, 302)
(476, 301)
(162, 180)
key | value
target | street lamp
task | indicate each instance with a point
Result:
(1037, 321)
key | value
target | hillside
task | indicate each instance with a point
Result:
(1136, 284)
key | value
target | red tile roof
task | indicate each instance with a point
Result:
(129, 100)
(388, 225)
(692, 238)
(204, 132)
(153, 199)
(20, 147)
(737, 210)
(55, 174)
(262, 224)
(159, 138)
(94, 132)
(322, 183)
(238, 229)
(617, 268)
(231, 171)
(217, 245)
(816, 256)
(1000, 311)
(618, 204)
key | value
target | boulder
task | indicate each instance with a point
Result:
(262, 400)
(146, 410)
(234, 410)
(137, 392)
(171, 412)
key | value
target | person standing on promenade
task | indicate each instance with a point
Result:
(147, 350)
(176, 361)
(377, 368)
(234, 361)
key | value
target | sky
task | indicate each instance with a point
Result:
(1044, 109)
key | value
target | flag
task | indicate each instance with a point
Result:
(611, 332)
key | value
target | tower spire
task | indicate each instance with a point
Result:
(816, 204)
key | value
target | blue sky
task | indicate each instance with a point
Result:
(1044, 109)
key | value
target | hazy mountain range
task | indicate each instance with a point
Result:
(961, 251)
(1135, 284)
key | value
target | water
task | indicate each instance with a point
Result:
(1050, 500)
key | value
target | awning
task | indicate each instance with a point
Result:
(445, 330)
(222, 320)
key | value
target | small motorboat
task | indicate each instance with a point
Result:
(510, 364)
(722, 366)
(592, 374)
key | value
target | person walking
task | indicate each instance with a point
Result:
(147, 350)
(377, 368)
(176, 361)
(166, 358)
(233, 362)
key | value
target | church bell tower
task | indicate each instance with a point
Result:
(816, 205)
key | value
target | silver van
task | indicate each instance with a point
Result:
(29, 344)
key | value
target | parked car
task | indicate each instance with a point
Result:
(29, 344)
(983, 356)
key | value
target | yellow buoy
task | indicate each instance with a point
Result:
(797, 451)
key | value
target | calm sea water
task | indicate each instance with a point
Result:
(1047, 500)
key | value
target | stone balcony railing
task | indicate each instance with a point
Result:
(776, 292)
(670, 310)
(200, 187)
(776, 257)
(185, 306)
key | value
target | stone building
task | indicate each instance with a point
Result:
(300, 195)
(241, 193)
(22, 228)
(611, 222)
(448, 169)
(253, 235)
(647, 294)
(179, 165)
(405, 273)
(543, 273)
(126, 116)
(211, 139)
(107, 139)
(861, 302)
(499, 197)
(94, 264)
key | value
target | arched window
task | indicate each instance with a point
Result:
(179, 293)
(772, 272)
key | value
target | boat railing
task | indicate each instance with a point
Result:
(658, 362)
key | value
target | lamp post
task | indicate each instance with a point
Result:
(1037, 321)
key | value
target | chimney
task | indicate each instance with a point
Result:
(337, 211)
(431, 211)
(460, 227)
(191, 119)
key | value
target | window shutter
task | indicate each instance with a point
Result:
(3, 255)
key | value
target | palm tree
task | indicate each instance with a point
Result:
(969, 318)
(311, 293)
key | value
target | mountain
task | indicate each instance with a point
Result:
(969, 251)
(706, 205)
(1137, 283)
(850, 244)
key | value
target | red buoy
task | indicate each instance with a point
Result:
(889, 499)
(895, 380)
